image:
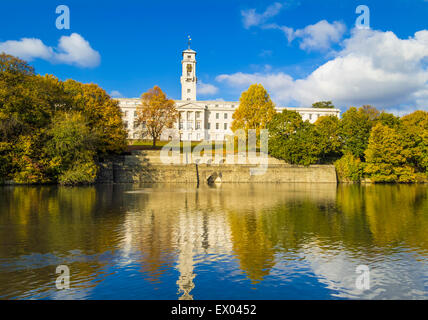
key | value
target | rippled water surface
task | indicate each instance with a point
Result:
(228, 242)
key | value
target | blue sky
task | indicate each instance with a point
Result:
(301, 50)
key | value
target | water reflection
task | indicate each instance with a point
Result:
(229, 242)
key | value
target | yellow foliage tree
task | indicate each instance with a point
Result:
(255, 110)
(156, 113)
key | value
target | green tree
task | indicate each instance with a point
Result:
(293, 140)
(255, 110)
(156, 113)
(72, 149)
(388, 119)
(330, 145)
(323, 105)
(354, 131)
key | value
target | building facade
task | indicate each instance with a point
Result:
(200, 120)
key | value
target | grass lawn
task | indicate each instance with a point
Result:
(148, 145)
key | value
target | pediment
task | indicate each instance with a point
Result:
(191, 105)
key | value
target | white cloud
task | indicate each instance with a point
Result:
(251, 18)
(27, 49)
(374, 67)
(318, 36)
(76, 50)
(206, 88)
(116, 94)
(73, 50)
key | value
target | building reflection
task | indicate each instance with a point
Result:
(181, 225)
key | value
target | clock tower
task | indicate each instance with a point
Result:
(188, 78)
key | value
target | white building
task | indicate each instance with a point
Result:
(201, 120)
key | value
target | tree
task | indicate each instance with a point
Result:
(388, 119)
(323, 105)
(354, 131)
(385, 157)
(72, 149)
(102, 114)
(349, 168)
(32, 105)
(330, 144)
(156, 113)
(413, 130)
(255, 110)
(293, 140)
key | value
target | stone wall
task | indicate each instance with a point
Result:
(145, 167)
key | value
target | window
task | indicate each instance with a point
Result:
(198, 115)
(217, 126)
(135, 124)
(217, 115)
(126, 124)
(188, 90)
(189, 125)
(181, 125)
(126, 113)
(225, 126)
(310, 116)
(135, 114)
(225, 116)
(189, 57)
(190, 137)
(209, 126)
(198, 125)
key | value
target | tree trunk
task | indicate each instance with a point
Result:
(154, 142)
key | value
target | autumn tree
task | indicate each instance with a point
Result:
(32, 110)
(413, 132)
(156, 113)
(102, 113)
(385, 157)
(255, 110)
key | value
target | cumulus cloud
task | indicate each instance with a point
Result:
(73, 50)
(318, 36)
(251, 18)
(206, 89)
(373, 67)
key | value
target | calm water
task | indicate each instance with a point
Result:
(229, 242)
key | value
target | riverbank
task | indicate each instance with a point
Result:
(147, 167)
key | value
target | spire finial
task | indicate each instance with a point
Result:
(190, 39)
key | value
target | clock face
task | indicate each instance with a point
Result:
(189, 68)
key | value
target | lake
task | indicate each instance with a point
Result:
(238, 241)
